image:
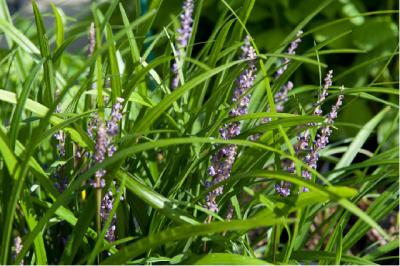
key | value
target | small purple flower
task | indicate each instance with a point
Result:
(92, 126)
(17, 248)
(222, 161)
(283, 189)
(102, 182)
(61, 142)
(211, 171)
(183, 36)
(116, 116)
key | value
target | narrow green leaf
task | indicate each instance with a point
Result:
(31, 220)
(48, 70)
(183, 232)
(59, 26)
(116, 87)
(358, 142)
(225, 259)
(19, 38)
(17, 116)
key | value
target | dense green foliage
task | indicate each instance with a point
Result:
(49, 84)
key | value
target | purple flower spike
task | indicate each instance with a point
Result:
(305, 139)
(324, 92)
(116, 116)
(100, 150)
(322, 138)
(290, 51)
(185, 31)
(107, 203)
(223, 160)
(60, 136)
(183, 36)
(104, 135)
(281, 96)
(61, 143)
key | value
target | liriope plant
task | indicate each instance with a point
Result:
(150, 145)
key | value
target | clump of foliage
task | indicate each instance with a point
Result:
(163, 140)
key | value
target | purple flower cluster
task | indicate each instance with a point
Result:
(324, 92)
(222, 161)
(290, 51)
(100, 152)
(107, 203)
(183, 36)
(302, 143)
(281, 96)
(185, 31)
(104, 135)
(322, 138)
(105, 148)
(59, 136)
(112, 124)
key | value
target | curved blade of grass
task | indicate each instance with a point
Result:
(116, 87)
(361, 65)
(225, 259)
(48, 69)
(59, 26)
(316, 187)
(17, 116)
(298, 58)
(337, 21)
(284, 122)
(394, 244)
(158, 110)
(183, 232)
(78, 232)
(380, 208)
(312, 256)
(18, 37)
(40, 110)
(8, 155)
(359, 141)
(31, 220)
